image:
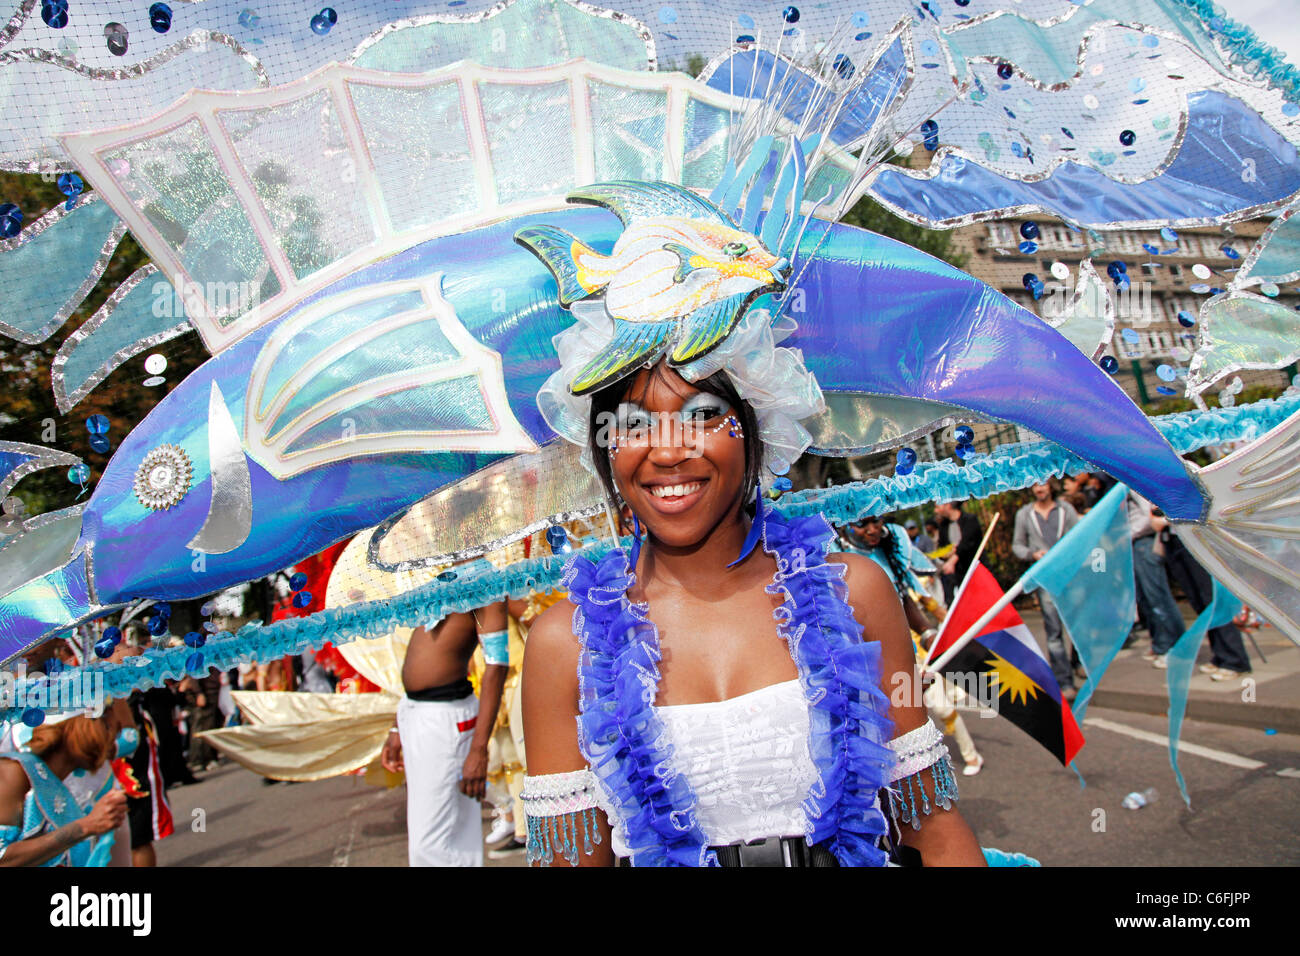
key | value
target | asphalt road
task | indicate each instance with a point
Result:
(1243, 812)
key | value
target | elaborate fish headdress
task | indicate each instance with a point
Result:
(368, 225)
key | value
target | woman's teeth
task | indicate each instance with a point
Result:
(676, 491)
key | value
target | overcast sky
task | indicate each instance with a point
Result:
(1275, 22)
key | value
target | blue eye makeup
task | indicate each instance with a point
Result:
(633, 418)
(704, 407)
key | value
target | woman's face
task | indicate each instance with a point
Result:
(677, 456)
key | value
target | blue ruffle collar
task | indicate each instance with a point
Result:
(622, 738)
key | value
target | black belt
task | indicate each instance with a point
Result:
(774, 851)
(456, 690)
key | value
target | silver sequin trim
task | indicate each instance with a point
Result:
(916, 750)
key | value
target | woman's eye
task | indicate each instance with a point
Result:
(702, 413)
(704, 408)
(633, 419)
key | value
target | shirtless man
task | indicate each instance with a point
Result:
(442, 733)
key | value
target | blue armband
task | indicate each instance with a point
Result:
(496, 647)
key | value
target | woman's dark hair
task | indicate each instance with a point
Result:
(605, 402)
(889, 546)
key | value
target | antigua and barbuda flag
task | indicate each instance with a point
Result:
(1004, 668)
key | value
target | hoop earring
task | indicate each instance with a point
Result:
(755, 527)
(636, 543)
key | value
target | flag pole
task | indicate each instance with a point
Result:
(1012, 593)
(925, 665)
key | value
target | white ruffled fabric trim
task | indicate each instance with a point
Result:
(773, 380)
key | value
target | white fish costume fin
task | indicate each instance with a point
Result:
(1251, 538)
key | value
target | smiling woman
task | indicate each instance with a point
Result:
(727, 707)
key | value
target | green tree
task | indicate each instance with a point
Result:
(28, 390)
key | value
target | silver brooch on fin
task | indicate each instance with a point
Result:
(163, 477)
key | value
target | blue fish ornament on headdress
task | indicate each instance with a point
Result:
(677, 281)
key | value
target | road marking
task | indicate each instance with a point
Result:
(1289, 772)
(343, 852)
(1232, 760)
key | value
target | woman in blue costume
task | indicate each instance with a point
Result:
(41, 822)
(719, 695)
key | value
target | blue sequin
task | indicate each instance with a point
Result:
(104, 648)
(1166, 373)
(11, 220)
(194, 663)
(113, 633)
(79, 474)
(298, 581)
(1029, 229)
(1186, 319)
(557, 538)
(790, 14)
(668, 15)
(1028, 247)
(1168, 235)
(1109, 364)
(964, 434)
(1166, 390)
(324, 21)
(1005, 70)
(55, 13)
(71, 185)
(907, 457)
(100, 444)
(844, 67)
(1129, 335)
(302, 599)
(33, 717)
(160, 17)
(1128, 137)
(98, 425)
(782, 484)
(930, 132)
(195, 639)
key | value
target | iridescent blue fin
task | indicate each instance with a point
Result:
(708, 325)
(18, 459)
(634, 344)
(557, 248)
(631, 201)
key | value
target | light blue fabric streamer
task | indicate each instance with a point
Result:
(1095, 557)
(1182, 659)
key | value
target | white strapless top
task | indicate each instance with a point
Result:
(746, 760)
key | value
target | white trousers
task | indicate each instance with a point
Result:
(939, 701)
(444, 827)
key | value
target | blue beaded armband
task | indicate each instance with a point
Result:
(559, 835)
(903, 795)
